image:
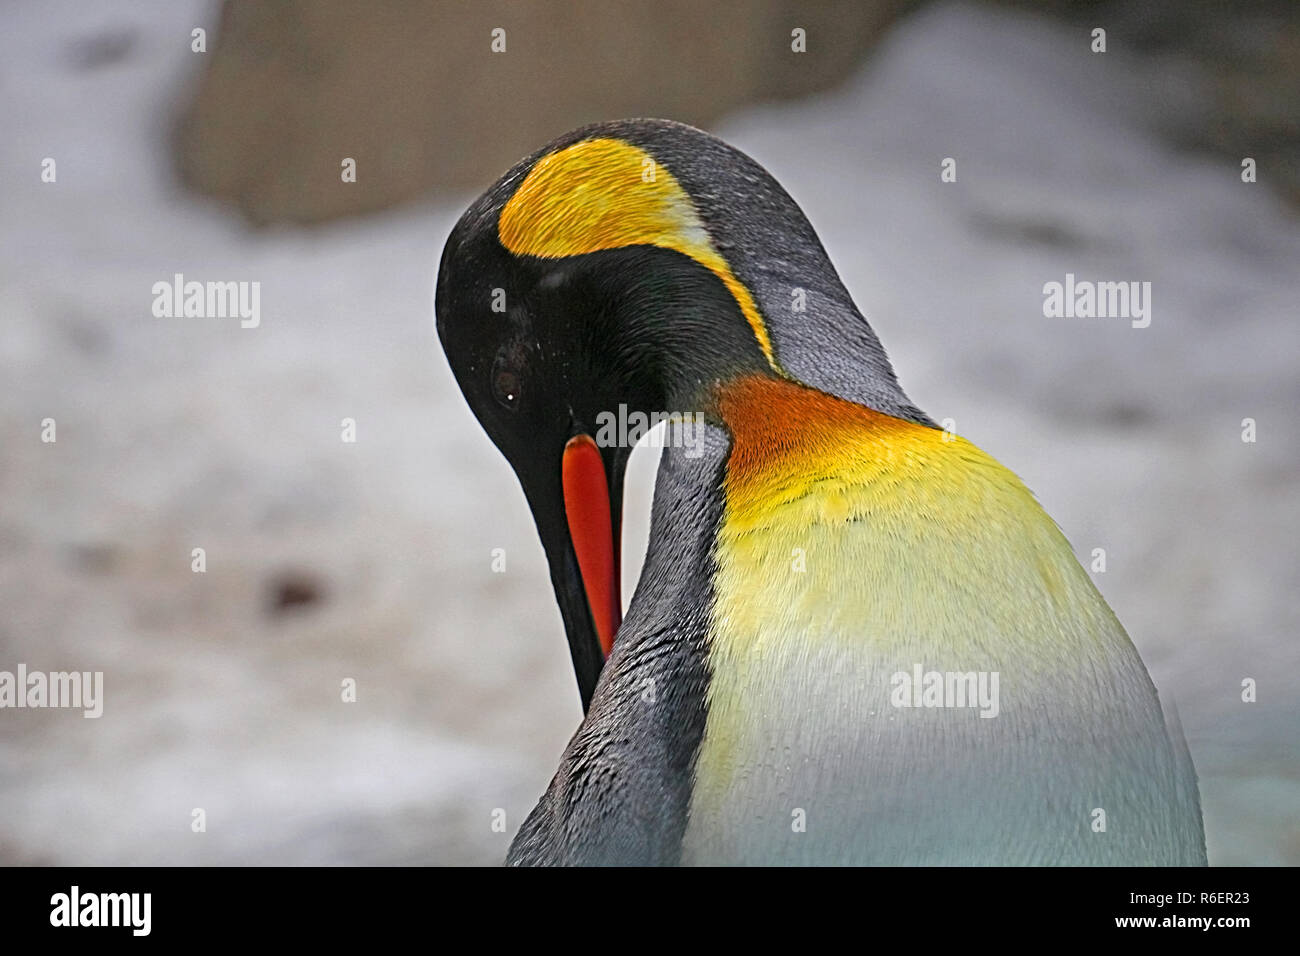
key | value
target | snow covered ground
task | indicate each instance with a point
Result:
(175, 434)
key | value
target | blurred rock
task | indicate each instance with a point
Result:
(414, 93)
(103, 49)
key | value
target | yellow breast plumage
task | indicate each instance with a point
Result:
(854, 546)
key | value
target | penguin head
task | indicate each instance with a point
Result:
(634, 265)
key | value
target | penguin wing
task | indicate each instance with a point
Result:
(622, 790)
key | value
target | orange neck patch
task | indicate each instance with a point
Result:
(604, 194)
(787, 437)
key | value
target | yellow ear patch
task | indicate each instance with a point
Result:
(606, 194)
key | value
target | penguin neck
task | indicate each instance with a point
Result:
(668, 330)
(834, 353)
(827, 345)
(676, 582)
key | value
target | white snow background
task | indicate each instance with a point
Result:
(183, 433)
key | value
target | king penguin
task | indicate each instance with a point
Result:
(856, 638)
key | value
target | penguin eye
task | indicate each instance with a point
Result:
(507, 384)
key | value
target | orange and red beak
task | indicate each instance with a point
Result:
(577, 507)
(594, 534)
